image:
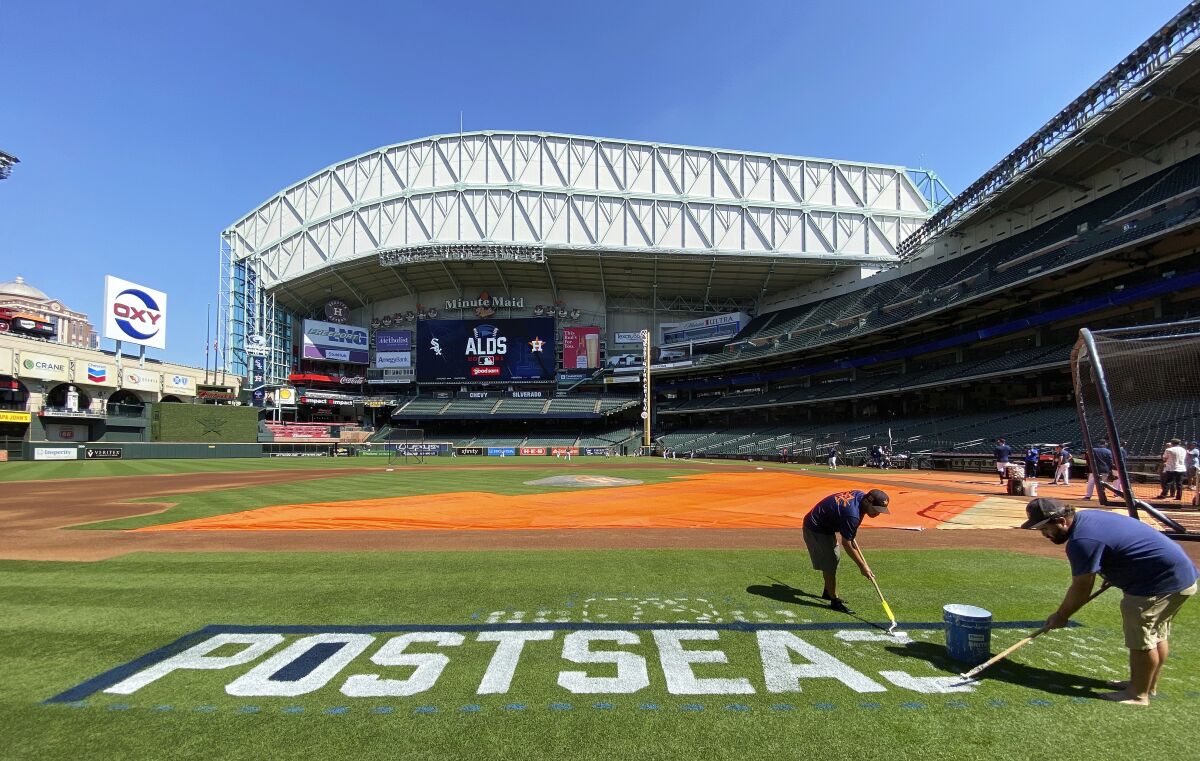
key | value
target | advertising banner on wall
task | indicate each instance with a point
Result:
(179, 384)
(581, 348)
(627, 338)
(43, 366)
(96, 373)
(140, 380)
(393, 340)
(533, 451)
(56, 453)
(393, 359)
(335, 343)
(485, 350)
(134, 313)
(258, 380)
(502, 451)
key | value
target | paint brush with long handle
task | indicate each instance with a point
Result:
(1001, 656)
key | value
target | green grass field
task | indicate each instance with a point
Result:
(67, 623)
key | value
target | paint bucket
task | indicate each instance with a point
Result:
(1031, 488)
(968, 633)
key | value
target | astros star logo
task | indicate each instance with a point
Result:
(536, 344)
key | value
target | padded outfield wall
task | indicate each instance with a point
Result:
(204, 423)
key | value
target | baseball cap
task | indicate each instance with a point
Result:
(880, 498)
(1041, 510)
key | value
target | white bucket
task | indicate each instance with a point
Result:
(1031, 488)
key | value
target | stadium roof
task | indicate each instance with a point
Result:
(614, 215)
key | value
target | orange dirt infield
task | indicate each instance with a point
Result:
(708, 500)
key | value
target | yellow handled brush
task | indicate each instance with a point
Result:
(886, 608)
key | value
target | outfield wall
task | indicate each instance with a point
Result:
(204, 423)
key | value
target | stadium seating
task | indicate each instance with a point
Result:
(1160, 201)
(316, 432)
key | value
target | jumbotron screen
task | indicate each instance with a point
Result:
(485, 350)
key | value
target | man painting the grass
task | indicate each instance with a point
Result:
(1153, 571)
(840, 513)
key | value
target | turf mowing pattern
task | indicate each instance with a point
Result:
(66, 623)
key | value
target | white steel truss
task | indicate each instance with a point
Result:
(578, 193)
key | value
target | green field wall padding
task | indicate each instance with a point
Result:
(203, 423)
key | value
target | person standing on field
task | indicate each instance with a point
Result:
(1155, 574)
(1100, 467)
(1062, 465)
(1002, 453)
(840, 513)
(831, 458)
(1174, 459)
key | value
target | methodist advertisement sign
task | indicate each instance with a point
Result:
(258, 381)
(581, 348)
(42, 366)
(335, 343)
(485, 350)
(393, 340)
(134, 313)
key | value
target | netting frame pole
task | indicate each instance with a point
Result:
(1110, 422)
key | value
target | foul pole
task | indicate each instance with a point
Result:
(646, 396)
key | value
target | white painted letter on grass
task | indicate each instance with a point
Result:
(783, 675)
(429, 667)
(498, 677)
(676, 663)
(631, 668)
(258, 682)
(198, 657)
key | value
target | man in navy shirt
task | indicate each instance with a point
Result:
(1155, 574)
(1031, 461)
(1100, 467)
(840, 513)
(1002, 452)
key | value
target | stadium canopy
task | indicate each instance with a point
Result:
(656, 225)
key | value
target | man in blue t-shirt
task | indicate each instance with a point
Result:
(1002, 452)
(840, 513)
(1155, 574)
(1031, 461)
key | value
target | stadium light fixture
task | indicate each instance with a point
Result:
(6, 164)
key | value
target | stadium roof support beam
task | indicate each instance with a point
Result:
(352, 289)
(603, 286)
(403, 282)
(453, 282)
(1133, 148)
(770, 271)
(708, 288)
(1131, 78)
(503, 282)
(553, 285)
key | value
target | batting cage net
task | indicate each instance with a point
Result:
(408, 446)
(1137, 395)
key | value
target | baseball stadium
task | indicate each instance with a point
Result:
(524, 443)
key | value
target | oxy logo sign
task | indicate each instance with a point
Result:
(134, 313)
(576, 658)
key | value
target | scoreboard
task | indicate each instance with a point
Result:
(496, 350)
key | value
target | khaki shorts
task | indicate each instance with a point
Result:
(822, 549)
(1147, 620)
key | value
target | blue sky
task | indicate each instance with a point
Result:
(144, 129)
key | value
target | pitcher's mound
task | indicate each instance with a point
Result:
(584, 481)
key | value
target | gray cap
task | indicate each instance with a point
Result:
(1042, 510)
